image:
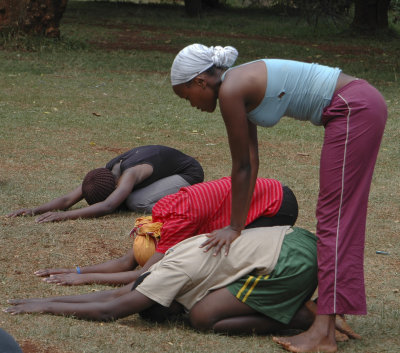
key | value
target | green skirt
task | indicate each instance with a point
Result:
(293, 281)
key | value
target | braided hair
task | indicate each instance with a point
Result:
(97, 185)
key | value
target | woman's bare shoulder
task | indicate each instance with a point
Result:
(248, 81)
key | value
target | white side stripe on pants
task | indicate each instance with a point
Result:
(341, 200)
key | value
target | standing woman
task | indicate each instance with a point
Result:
(353, 114)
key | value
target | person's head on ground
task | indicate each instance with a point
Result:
(97, 185)
(196, 73)
(159, 314)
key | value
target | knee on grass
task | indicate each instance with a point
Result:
(201, 320)
(139, 203)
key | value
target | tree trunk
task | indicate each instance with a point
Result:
(39, 17)
(371, 15)
(193, 7)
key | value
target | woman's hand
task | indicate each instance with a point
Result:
(52, 217)
(219, 238)
(21, 212)
(69, 279)
(24, 308)
(53, 271)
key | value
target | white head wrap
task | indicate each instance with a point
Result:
(197, 58)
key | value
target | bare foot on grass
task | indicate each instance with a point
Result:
(344, 327)
(320, 337)
(341, 337)
(341, 324)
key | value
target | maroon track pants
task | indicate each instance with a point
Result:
(354, 123)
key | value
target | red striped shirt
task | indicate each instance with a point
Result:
(204, 207)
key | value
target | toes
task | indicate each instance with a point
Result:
(282, 341)
(344, 327)
(340, 336)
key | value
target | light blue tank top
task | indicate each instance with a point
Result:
(295, 89)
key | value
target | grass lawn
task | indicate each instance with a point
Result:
(71, 105)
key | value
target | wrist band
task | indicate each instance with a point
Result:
(78, 270)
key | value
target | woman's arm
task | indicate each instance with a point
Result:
(242, 136)
(101, 296)
(75, 279)
(105, 276)
(123, 263)
(243, 183)
(60, 203)
(115, 271)
(115, 278)
(130, 302)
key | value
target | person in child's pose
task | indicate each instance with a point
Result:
(195, 209)
(137, 178)
(353, 114)
(261, 287)
(268, 276)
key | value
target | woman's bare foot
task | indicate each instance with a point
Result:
(341, 337)
(68, 279)
(53, 271)
(320, 337)
(341, 324)
(344, 327)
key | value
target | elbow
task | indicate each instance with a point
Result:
(65, 203)
(127, 262)
(105, 317)
(106, 313)
(255, 163)
(242, 169)
(108, 208)
(254, 169)
(246, 169)
(244, 174)
(113, 309)
(245, 165)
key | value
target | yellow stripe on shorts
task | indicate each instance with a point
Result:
(247, 283)
(251, 289)
(244, 287)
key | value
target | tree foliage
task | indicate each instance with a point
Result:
(42, 17)
(371, 15)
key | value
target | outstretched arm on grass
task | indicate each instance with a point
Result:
(101, 296)
(60, 203)
(100, 306)
(114, 272)
(122, 264)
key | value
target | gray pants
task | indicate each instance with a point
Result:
(144, 199)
